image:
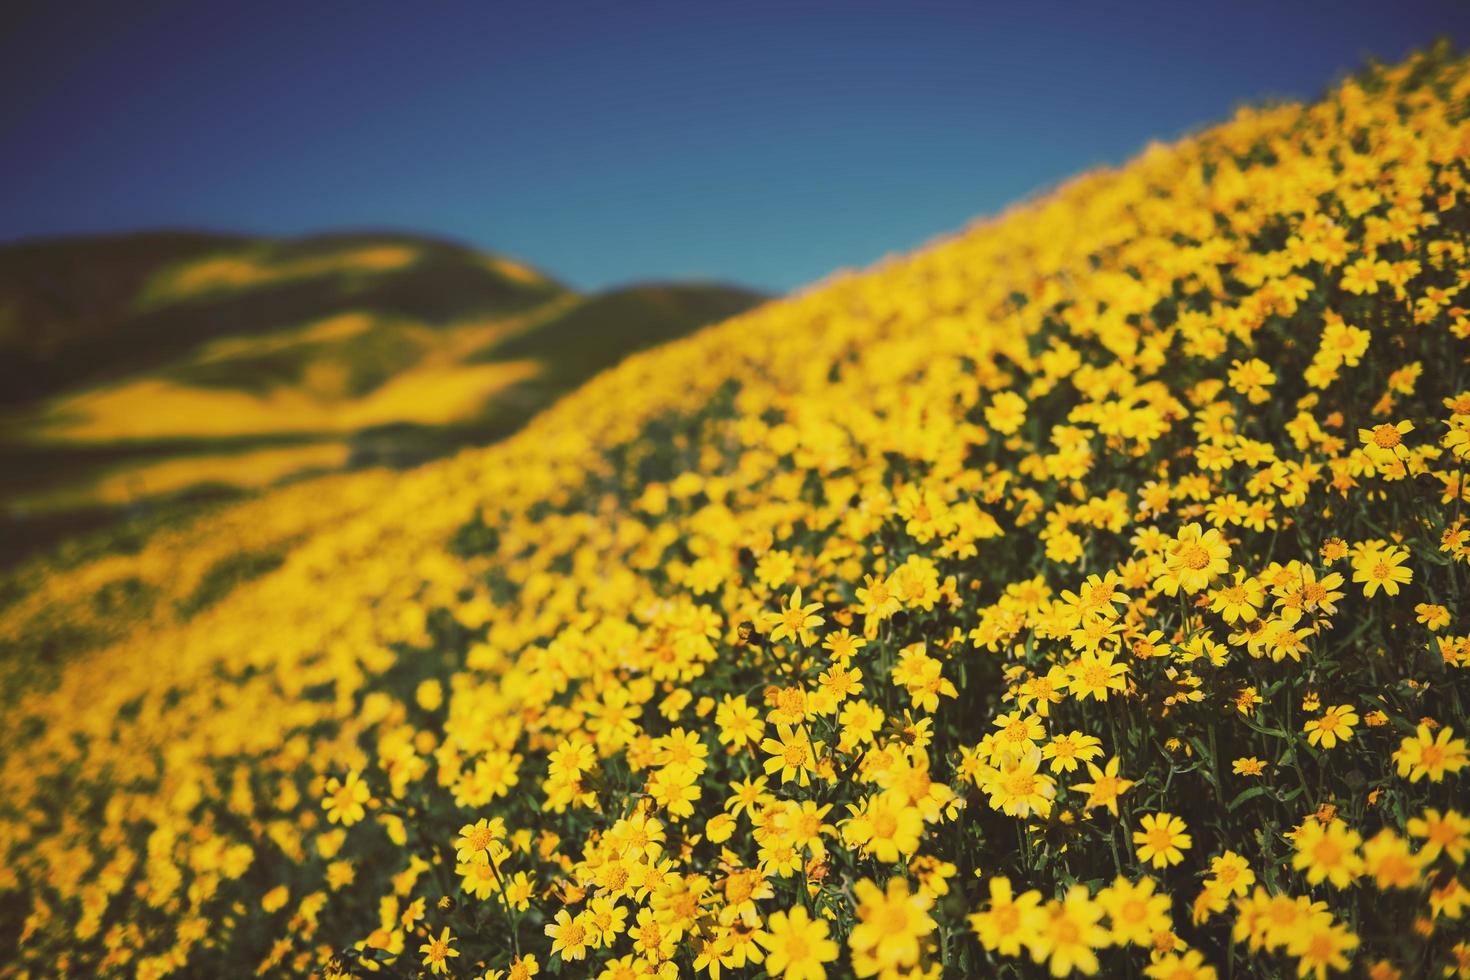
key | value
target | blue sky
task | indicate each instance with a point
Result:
(760, 143)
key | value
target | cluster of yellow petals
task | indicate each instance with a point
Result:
(906, 626)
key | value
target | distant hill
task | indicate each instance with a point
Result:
(164, 366)
(78, 310)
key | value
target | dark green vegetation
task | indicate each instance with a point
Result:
(598, 332)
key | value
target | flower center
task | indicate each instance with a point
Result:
(1194, 557)
(1066, 932)
(1022, 784)
(1327, 853)
(1386, 437)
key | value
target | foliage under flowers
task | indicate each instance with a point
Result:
(1079, 595)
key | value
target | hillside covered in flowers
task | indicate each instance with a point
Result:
(1079, 595)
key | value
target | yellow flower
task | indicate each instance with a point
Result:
(719, 828)
(569, 936)
(1066, 751)
(479, 837)
(878, 601)
(1457, 439)
(1251, 378)
(775, 568)
(650, 939)
(1018, 732)
(1319, 947)
(925, 514)
(1016, 785)
(921, 675)
(275, 899)
(890, 924)
(1135, 913)
(790, 754)
(1447, 833)
(523, 968)
(1162, 839)
(1248, 766)
(605, 920)
(675, 789)
(1193, 560)
(1245, 701)
(345, 798)
(1448, 898)
(1239, 601)
(1010, 920)
(1230, 874)
(1436, 617)
(1363, 276)
(1422, 754)
(738, 721)
(884, 826)
(842, 645)
(1385, 443)
(1095, 675)
(1335, 725)
(1327, 852)
(1190, 965)
(1106, 786)
(797, 946)
(437, 952)
(794, 621)
(571, 758)
(1381, 568)
(480, 877)
(1389, 861)
(682, 750)
(1068, 935)
(1006, 412)
(517, 893)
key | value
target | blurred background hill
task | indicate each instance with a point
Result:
(145, 374)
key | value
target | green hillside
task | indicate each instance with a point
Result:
(146, 371)
(78, 310)
(611, 324)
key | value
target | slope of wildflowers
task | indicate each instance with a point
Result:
(1078, 595)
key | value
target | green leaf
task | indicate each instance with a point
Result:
(1245, 796)
(1256, 726)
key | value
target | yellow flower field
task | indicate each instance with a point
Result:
(1079, 595)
